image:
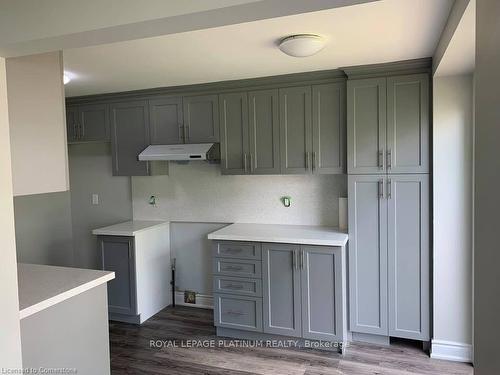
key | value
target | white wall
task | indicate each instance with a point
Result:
(43, 229)
(452, 196)
(90, 172)
(10, 341)
(37, 124)
(198, 193)
(487, 187)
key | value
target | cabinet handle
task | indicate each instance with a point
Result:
(232, 268)
(82, 130)
(186, 132)
(245, 161)
(75, 135)
(232, 286)
(389, 159)
(308, 160)
(302, 259)
(233, 250)
(389, 188)
(181, 132)
(381, 189)
(232, 312)
(294, 260)
(251, 163)
(381, 159)
(314, 160)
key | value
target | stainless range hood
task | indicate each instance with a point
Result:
(183, 152)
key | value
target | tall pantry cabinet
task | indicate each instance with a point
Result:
(388, 185)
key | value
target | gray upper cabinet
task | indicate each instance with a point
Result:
(366, 126)
(117, 254)
(88, 123)
(201, 118)
(328, 128)
(234, 133)
(388, 125)
(295, 130)
(408, 124)
(367, 254)
(408, 248)
(281, 289)
(264, 132)
(72, 123)
(129, 136)
(321, 279)
(166, 122)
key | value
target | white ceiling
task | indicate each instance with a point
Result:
(460, 55)
(382, 31)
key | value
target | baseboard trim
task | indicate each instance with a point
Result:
(203, 301)
(451, 351)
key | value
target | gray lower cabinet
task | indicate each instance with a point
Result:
(239, 312)
(367, 254)
(129, 136)
(389, 255)
(408, 256)
(117, 254)
(301, 291)
(328, 128)
(166, 121)
(295, 130)
(388, 125)
(201, 118)
(281, 281)
(88, 123)
(323, 293)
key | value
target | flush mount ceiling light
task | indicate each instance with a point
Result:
(302, 45)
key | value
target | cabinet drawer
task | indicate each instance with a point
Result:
(238, 312)
(237, 267)
(237, 285)
(242, 250)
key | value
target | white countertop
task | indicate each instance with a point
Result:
(297, 234)
(128, 228)
(43, 286)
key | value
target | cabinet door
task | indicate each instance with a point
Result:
(94, 122)
(295, 130)
(328, 129)
(129, 136)
(201, 119)
(408, 124)
(408, 244)
(281, 289)
(264, 132)
(117, 254)
(367, 254)
(72, 123)
(321, 279)
(366, 126)
(165, 117)
(234, 137)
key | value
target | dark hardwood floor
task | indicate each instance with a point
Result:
(132, 353)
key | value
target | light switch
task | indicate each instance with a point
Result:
(95, 199)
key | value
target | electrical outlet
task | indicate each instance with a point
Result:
(287, 201)
(95, 199)
(153, 200)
